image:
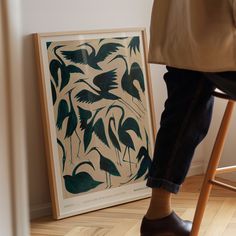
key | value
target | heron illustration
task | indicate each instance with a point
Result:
(105, 82)
(123, 127)
(80, 182)
(107, 165)
(63, 113)
(143, 157)
(66, 70)
(113, 137)
(91, 126)
(82, 56)
(128, 78)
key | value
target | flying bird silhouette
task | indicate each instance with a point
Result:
(82, 56)
(66, 70)
(105, 82)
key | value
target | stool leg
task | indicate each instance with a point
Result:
(211, 169)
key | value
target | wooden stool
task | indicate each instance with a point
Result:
(212, 168)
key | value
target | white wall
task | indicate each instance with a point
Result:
(61, 15)
(228, 156)
(14, 198)
(6, 222)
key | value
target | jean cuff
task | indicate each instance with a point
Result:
(162, 183)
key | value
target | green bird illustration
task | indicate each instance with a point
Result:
(105, 82)
(129, 77)
(91, 126)
(106, 165)
(65, 70)
(82, 56)
(124, 126)
(80, 182)
(113, 138)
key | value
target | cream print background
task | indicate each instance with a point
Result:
(101, 168)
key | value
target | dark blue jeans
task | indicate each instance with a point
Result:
(184, 123)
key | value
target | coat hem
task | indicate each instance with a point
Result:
(200, 69)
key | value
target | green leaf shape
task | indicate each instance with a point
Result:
(120, 38)
(72, 120)
(81, 182)
(65, 78)
(99, 130)
(131, 124)
(48, 44)
(54, 93)
(145, 163)
(64, 154)
(137, 74)
(112, 136)
(71, 125)
(134, 45)
(84, 116)
(63, 112)
(87, 136)
(54, 66)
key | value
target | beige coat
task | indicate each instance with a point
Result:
(194, 34)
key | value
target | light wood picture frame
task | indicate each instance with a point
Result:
(98, 117)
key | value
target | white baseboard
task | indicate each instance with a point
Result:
(196, 168)
(40, 210)
(45, 209)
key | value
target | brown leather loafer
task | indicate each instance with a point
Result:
(171, 225)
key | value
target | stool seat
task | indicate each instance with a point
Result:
(220, 94)
(212, 168)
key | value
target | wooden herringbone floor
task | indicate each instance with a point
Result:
(124, 220)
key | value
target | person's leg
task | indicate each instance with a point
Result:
(184, 123)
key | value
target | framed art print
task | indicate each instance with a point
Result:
(98, 116)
